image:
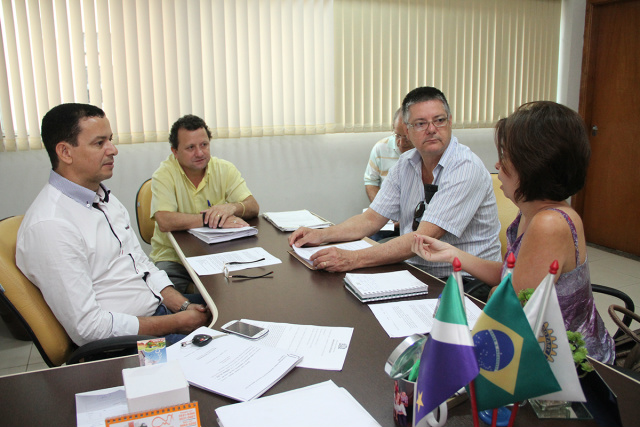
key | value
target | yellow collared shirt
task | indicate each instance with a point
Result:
(174, 192)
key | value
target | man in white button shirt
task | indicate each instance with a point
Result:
(76, 243)
(440, 189)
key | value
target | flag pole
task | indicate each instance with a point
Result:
(514, 411)
(494, 418)
(511, 262)
(457, 267)
(553, 269)
(474, 404)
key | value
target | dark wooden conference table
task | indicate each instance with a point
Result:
(293, 294)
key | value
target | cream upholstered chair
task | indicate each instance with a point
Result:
(25, 300)
(507, 212)
(146, 225)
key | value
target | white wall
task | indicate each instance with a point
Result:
(571, 42)
(322, 173)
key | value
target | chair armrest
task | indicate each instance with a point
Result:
(107, 348)
(628, 303)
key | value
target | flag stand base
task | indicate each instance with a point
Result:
(560, 410)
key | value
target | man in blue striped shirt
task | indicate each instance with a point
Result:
(440, 189)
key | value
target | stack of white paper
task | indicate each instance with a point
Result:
(323, 404)
(217, 235)
(290, 221)
(232, 366)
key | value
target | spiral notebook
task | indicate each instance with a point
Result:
(381, 286)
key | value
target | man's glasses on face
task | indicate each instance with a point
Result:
(429, 191)
(423, 125)
(225, 270)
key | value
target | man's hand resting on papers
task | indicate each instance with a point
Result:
(304, 236)
(335, 260)
(433, 249)
(234, 222)
(223, 216)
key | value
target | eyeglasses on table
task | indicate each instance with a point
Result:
(225, 270)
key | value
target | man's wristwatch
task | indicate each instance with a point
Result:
(184, 305)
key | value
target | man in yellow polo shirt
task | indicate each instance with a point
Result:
(192, 189)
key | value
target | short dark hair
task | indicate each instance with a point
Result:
(188, 122)
(62, 123)
(423, 94)
(548, 146)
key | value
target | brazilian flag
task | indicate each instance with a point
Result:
(512, 366)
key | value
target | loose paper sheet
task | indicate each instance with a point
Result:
(292, 220)
(322, 347)
(323, 404)
(404, 318)
(212, 264)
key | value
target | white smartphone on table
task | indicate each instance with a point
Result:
(245, 330)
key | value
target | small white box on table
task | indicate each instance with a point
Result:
(155, 386)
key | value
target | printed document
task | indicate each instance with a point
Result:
(323, 404)
(232, 366)
(292, 220)
(322, 347)
(213, 264)
(306, 252)
(404, 318)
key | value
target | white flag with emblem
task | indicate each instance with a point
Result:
(544, 316)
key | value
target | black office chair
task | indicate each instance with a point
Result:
(627, 341)
(628, 303)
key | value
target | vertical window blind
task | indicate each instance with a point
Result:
(248, 67)
(269, 67)
(487, 56)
